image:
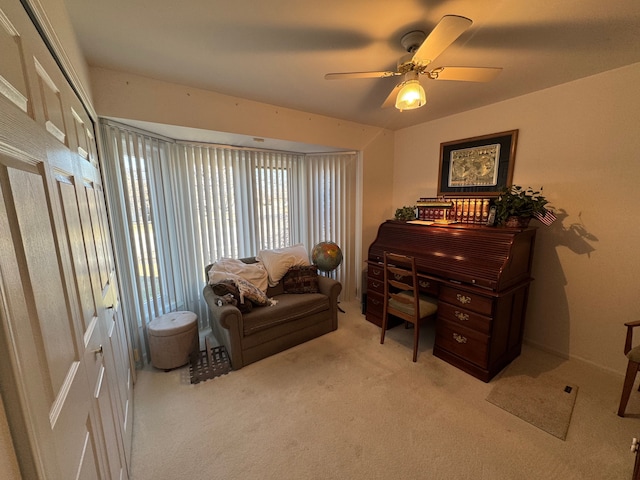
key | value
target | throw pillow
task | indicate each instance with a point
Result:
(301, 280)
(278, 261)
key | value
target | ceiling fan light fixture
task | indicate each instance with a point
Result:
(411, 96)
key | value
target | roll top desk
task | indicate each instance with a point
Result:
(481, 277)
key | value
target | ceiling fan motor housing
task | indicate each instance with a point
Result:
(411, 42)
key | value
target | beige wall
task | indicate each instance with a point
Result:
(377, 191)
(581, 142)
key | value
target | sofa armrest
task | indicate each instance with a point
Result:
(226, 325)
(224, 314)
(331, 288)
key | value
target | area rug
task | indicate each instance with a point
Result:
(539, 398)
(209, 363)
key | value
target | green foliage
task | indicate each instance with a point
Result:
(406, 213)
(519, 202)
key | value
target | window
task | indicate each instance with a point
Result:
(177, 207)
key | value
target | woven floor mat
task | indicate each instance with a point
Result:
(209, 363)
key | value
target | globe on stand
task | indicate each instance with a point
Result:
(327, 256)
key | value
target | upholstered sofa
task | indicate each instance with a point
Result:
(265, 330)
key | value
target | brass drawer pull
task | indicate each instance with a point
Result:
(463, 317)
(375, 284)
(376, 272)
(463, 299)
(397, 276)
(459, 338)
(375, 302)
(424, 284)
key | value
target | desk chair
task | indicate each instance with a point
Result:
(402, 297)
(633, 354)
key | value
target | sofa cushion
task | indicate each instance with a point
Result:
(275, 290)
(301, 280)
(289, 307)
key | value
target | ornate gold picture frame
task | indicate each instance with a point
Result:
(478, 166)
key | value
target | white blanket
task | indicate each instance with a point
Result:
(254, 273)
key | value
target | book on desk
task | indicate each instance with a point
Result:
(462, 210)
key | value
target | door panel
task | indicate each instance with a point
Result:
(53, 336)
(109, 436)
(70, 429)
(53, 108)
(13, 83)
(90, 451)
(19, 351)
(121, 384)
(76, 243)
(59, 401)
(97, 237)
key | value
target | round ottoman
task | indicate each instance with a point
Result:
(172, 339)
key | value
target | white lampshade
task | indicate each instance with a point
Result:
(411, 95)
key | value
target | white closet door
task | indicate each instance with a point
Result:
(64, 352)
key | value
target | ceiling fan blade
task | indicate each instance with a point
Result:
(390, 101)
(465, 74)
(444, 34)
(341, 76)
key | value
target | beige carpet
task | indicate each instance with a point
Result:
(539, 398)
(342, 406)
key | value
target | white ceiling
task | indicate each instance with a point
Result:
(278, 51)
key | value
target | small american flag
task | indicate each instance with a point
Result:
(547, 218)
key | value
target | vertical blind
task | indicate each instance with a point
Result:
(177, 207)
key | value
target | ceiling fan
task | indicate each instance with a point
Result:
(422, 51)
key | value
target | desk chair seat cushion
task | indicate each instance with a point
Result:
(634, 354)
(428, 305)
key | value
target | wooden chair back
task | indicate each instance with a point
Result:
(402, 296)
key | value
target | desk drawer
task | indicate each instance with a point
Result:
(463, 342)
(375, 270)
(428, 286)
(460, 316)
(375, 304)
(467, 300)
(375, 285)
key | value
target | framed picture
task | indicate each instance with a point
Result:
(478, 166)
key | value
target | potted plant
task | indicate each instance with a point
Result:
(405, 214)
(516, 205)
